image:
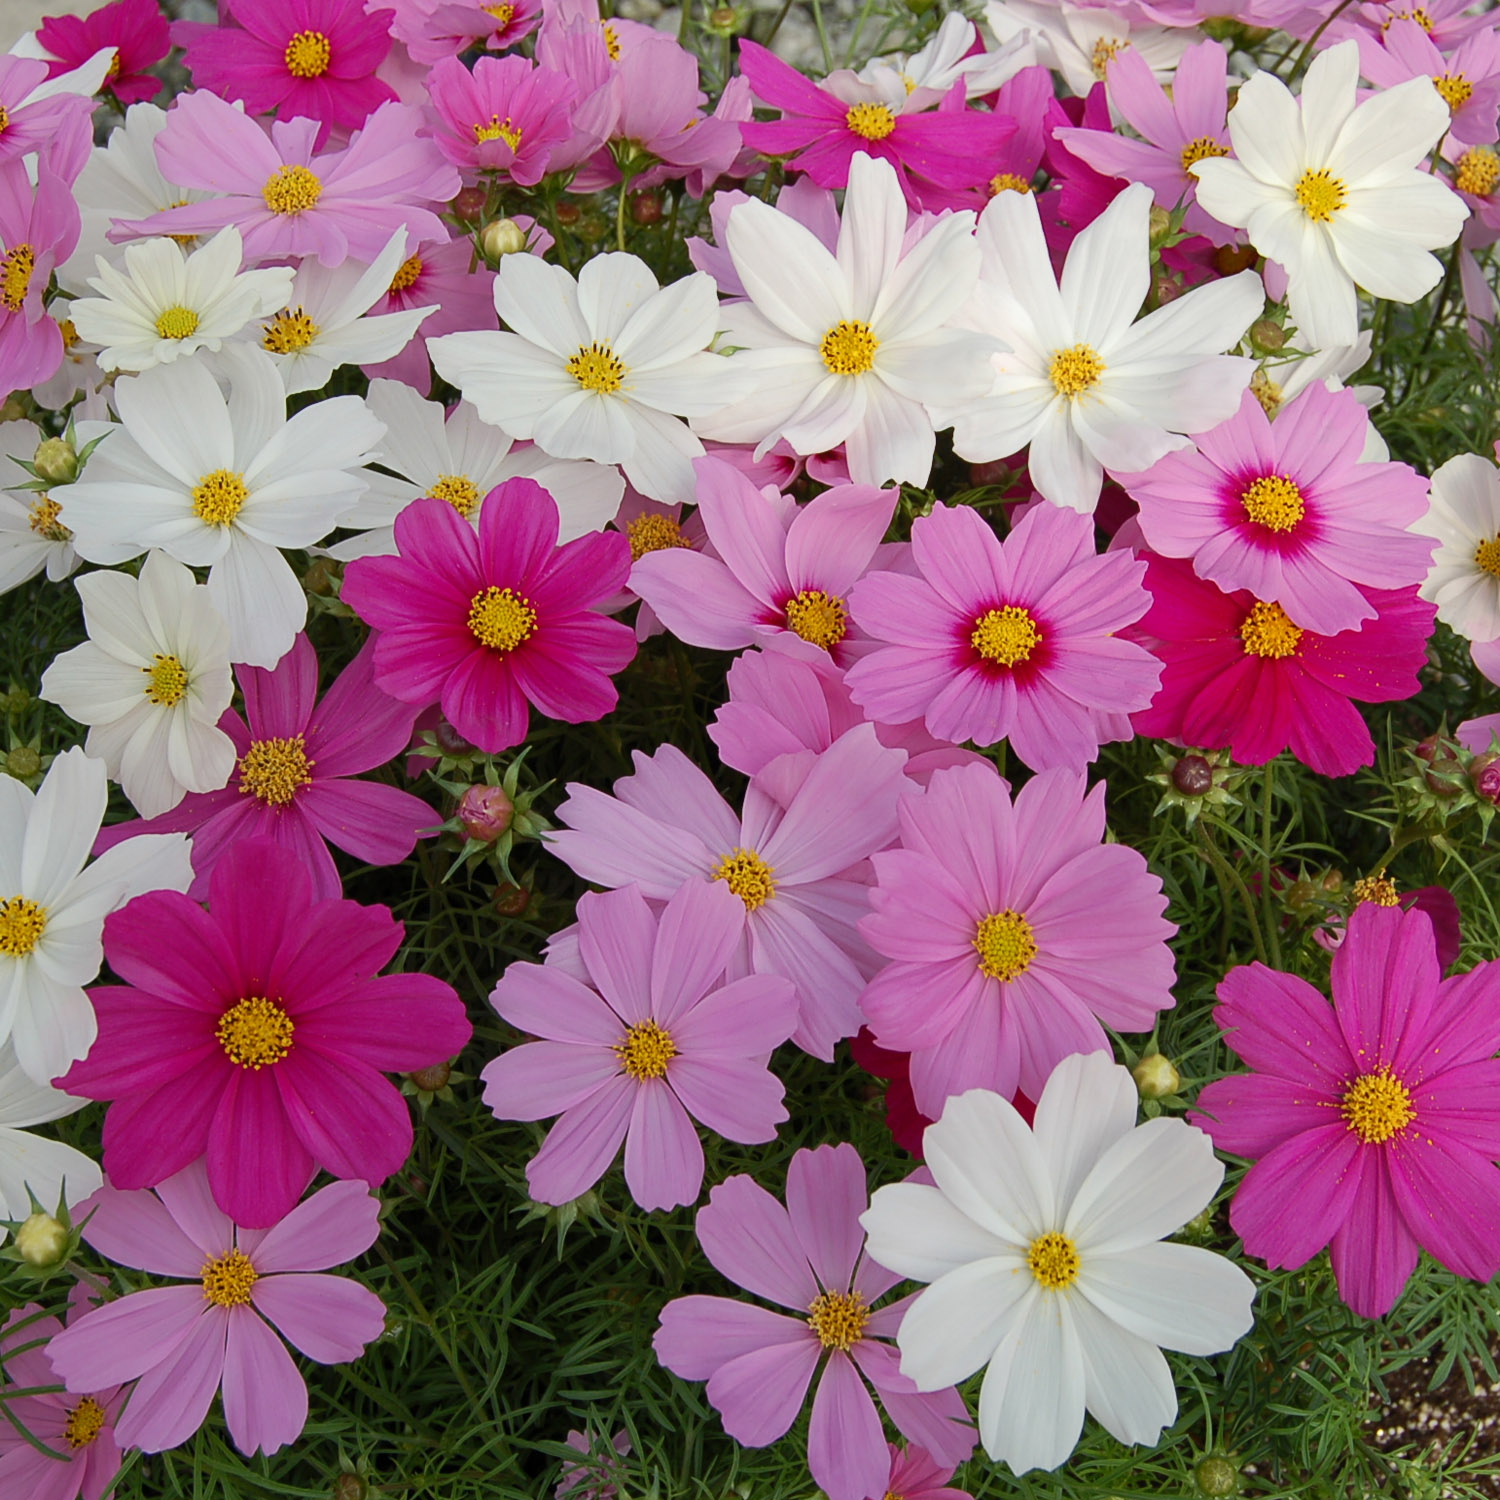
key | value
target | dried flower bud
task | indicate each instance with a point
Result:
(1192, 776)
(350, 1487)
(1160, 223)
(1229, 260)
(502, 237)
(485, 812)
(430, 1080)
(450, 741)
(42, 1241)
(512, 900)
(56, 461)
(469, 203)
(1155, 1076)
(645, 206)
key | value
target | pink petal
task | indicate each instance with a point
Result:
(542, 1001)
(832, 540)
(616, 937)
(329, 1318)
(825, 1195)
(540, 1079)
(1293, 1201)
(1373, 1252)
(256, 1165)
(758, 1395)
(124, 1339)
(741, 1101)
(698, 1334)
(346, 1116)
(1250, 1114)
(663, 1155)
(357, 726)
(187, 1197)
(746, 1019)
(1385, 978)
(748, 1237)
(697, 598)
(150, 1136)
(745, 529)
(580, 1147)
(483, 701)
(785, 940)
(336, 1224)
(1278, 1023)
(699, 930)
(376, 823)
(279, 701)
(1449, 1196)
(395, 1022)
(845, 1444)
(171, 1400)
(265, 1397)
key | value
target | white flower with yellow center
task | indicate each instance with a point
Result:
(53, 906)
(150, 682)
(162, 304)
(49, 1169)
(1464, 577)
(853, 346)
(225, 484)
(33, 535)
(1047, 1256)
(600, 368)
(1334, 190)
(1083, 382)
(945, 58)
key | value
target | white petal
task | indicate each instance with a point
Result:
(1032, 1401)
(958, 1323)
(914, 1230)
(254, 589)
(1088, 1104)
(64, 822)
(1126, 1382)
(1177, 1296)
(987, 1164)
(789, 274)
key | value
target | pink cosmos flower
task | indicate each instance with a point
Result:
(917, 1475)
(293, 779)
(258, 1031)
(56, 127)
(289, 202)
(314, 59)
(1446, 22)
(1468, 78)
(809, 1257)
(1012, 931)
(808, 819)
(1288, 511)
(434, 29)
(593, 1478)
(184, 1342)
(653, 1041)
(583, 51)
(1009, 640)
(1372, 1125)
(38, 230)
(814, 208)
(136, 29)
(505, 116)
(491, 622)
(1025, 98)
(1238, 674)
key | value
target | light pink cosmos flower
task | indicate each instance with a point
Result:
(1007, 640)
(434, 29)
(651, 1042)
(917, 1475)
(38, 230)
(505, 116)
(581, 50)
(55, 128)
(290, 202)
(1013, 932)
(807, 820)
(1468, 78)
(809, 1257)
(185, 1342)
(1287, 510)
(1446, 22)
(593, 1477)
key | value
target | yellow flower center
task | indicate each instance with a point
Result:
(596, 368)
(458, 490)
(1455, 89)
(291, 190)
(1266, 391)
(15, 276)
(255, 1033)
(1377, 1106)
(848, 348)
(1267, 631)
(501, 13)
(177, 323)
(1053, 1260)
(166, 680)
(1320, 195)
(1075, 370)
(1007, 635)
(838, 1319)
(501, 619)
(1478, 172)
(289, 331)
(1273, 501)
(497, 130)
(1105, 49)
(69, 333)
(872, 121)
(308, 54)
(1005, 945)
(406, 273)
(275, 769)
(4, 119)
(22, 923)
(85, 1423)
(1200, 149)
(42, 519)
(611, 42)
(227, 1279)
(645, 1050)
(1487, 556)
(1007, 182)
(748, 875)
(818, 618)
(1378, 889)
(218, 497)
(654, 534)
(1419, 15)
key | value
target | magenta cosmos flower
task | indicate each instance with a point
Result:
(645, 1040)
(136, 29)
(808, 820)
(504, 117)
(1013, 933)
(38, 230)
(1373, 1125)
(1009, 640)
(808, 1256)
(780, 568)
(293, 782)
(1239, 675)
(492, 621)
(1287, 510)
(182, 1343)
(289, 202)
(917, 1475)
(258, 1031)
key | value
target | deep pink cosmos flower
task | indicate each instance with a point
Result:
(136, 29)
(808, 820)
(1009, 640)
(1373, 1124)
(185, 1342)
(258, 1031)
(1013, 932)
(57, 128)
(1239, 675)
(1468, 78)
(1287, 510)
(38, 230)
(491, 622)
(809, 1257)
(505, 116)
(651, 1042)
(293, 780)
(314, 59)
(916, 1475)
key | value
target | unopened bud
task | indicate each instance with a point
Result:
(645, 206)
(1265, 334)
(1217, 1477)
(1193, 776)
(1161, 223)
(450, 741)
(430, 1080)
(1155, 1076)
(723, 20)
(41, 1240)
(13, 408)
(568, 212)
(350, 1487)
(1229, 260)
(23, 762)
(512, 900)
(1484, 776)
(502, 237)
(319, 577)
(56, 461)
(469, 203)
(485, 812)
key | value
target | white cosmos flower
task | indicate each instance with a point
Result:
(599, 368)
(1334, 190)
(943, 60)
(51, 1170)
(1286, 374)
(53, 906)
(150, 682)
(224, 485)
(162, 304)
(461, 460)
(1044, 1250)
(1464, 515)
(1084, 383)
(852, 346)
(32, 534)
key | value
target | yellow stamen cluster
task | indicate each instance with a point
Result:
(289, 331)
(1007, 182)
(4, 119)
(1377, 889)
(501, 619)
(1487, 556)
(1273, 501)
(219, 497)
(1320, 195)
(255, 1033)
(1005, 944)
(1053, 1260)
(15, 276)
(748, 876)
(838, 1319)
(406, 273)
(848, 348)
(1105, 49)
(69, 333)
(177, 323)
(497, 130)
(85, 1423)
(1417, 14)
(228, 1278)
(819, 618)
(1074, 371)
(275, 769)
(292, 189)
(654, 534)
(42, 519)
(22, 923)
(1478, 172)
(308, 54)
(1455, 89)
(1201, 149)
(1007, 635)
(645, 1050)
(872, 121)
(1377, 1106)
(166, 680)
(1266, 391)
(501, 13)
(1267, 631)
(458, 490)
(611, 42)
(597, 368)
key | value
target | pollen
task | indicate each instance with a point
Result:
(4, 119)
(219, 497)
(596, 368)
(645, 1050)
(1320, 195)
(1455, 89)
(1478, 172)
(654, 534)
(1266, 391)
(69, 333)
(166, 680)
(501, 619)
(1273, 501)
(177, 323)
(501, 13)
(1417, 14)
(872, 121)
(1007, 182)
(308, 54)
(458, 490)
(42, 518)
(1005, 945)
(848, 348)
(228, 1278)
(15, 276)
(275, 769)
(1487, 556)
(22, 923)
(288, 332)
(1053, 1260)
(291, 190)
(406, 273)
(85, 1423)
(1377, 889)
(748, 876)
(1267, 631)
(838, 1319)
(1377, 1106)
(1201, 149)
(1105, 49)
(1007, 635)
(497, 130)
(611, 42)
(1074, 371)
(255, 1033)
(819, 618)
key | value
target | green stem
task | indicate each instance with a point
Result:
(817, 9)
(1268, 912)
(1228, 873)
(1306, 54)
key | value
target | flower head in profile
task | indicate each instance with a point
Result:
(137, 31)
(44, 123)
(434, 29)
(808, 1257)
(1464, 580)
(592, 1476)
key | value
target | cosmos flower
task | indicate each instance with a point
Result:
(1468, 79)
(43, 123)
(137, 31)
(38, 229)
(503, 117)
(35, 1166)
(1464, 580)
(33, 536)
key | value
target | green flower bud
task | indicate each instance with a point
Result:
(502, 237)
(1217, 1477)
(1155, 1076)
(56, 461)
(42, 1241)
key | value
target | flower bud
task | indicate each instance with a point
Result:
(569, 212)
(56, 461)
(1193, 776)
(1231, 259)
(1155, 1076)
(1445, 779)
(350, 1487)
(1216, 1477)
(320, 575)
(1265, 334)
(42, 1241)
(15, 702)
(502, 237)
(13, 408)
(1484, 776)
(450, 741)
(469, 203)
(23, 762)
(723, 20)
(430, 1080)
(1160, 223)
(511, 900)
(645, 206)
(485, 812)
